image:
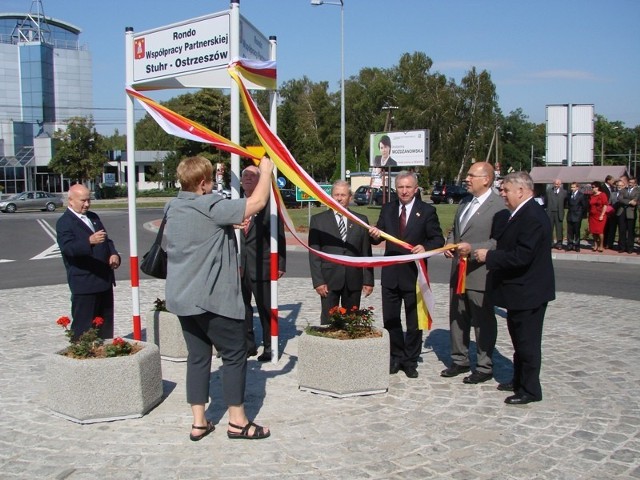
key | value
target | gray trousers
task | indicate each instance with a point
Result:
(556, 225)
(228, 336)
(473, 309)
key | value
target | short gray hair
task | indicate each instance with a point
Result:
(341, 183)
(406, 174)
(521, 179)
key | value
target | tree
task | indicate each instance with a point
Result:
(80, 153)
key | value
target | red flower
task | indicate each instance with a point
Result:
(63, 322)
(97, 322)
(118, 341)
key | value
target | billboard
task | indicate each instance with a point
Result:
(570, 134)
(193, 53)
(399, 149)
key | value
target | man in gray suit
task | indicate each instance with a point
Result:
(626, 212)
(554, 202)
(332, 233)
(472, 230)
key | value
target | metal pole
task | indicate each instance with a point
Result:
(273, 223)
(343, 160)
(131, 190)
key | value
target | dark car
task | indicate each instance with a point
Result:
(364, 192)
(448, 194)
(289, 198)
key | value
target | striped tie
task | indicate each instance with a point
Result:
(342, 228)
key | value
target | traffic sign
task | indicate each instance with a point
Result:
(281, 181)
(305, 197)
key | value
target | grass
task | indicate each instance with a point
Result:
(300, 216)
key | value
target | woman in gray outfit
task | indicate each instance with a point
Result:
(203, 289)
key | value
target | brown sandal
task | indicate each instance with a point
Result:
(210, 427)
(258, 433)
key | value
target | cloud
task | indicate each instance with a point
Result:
(468, 64)
(562, 75)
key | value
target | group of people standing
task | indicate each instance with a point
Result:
(612, 205)
(505, 243)
(209, 287)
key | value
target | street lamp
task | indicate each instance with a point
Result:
(343, 161)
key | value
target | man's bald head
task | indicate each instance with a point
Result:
(79, 198)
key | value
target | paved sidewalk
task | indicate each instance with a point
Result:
(587, 426)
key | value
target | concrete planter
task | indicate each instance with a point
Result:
(104, 389)
(343, 368)
(163, 329)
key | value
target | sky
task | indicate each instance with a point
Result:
(537, 52)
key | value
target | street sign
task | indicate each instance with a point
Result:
(304, 197)
(281, 182)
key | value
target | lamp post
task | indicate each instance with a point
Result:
(343, 161)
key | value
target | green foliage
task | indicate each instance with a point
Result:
(160, 305)
(79, 151)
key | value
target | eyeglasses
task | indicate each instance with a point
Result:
(474, 175)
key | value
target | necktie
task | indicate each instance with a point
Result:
(246, 227)
(86, 220)
(467, 214)
(342, 228)
(403, 220)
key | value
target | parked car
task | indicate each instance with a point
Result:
(289, 197)
(33, 200)
(448, 194)
(364, 192)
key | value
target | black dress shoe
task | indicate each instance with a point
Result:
(505, 387)
(394, 368)
(519, 399)
(265, 357)
(454, 370)
(252, 353)
(410, 372)
(477, 377)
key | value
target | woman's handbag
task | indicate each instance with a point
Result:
(609, 210)
(154, 262)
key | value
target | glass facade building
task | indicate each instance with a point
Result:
(46, 79)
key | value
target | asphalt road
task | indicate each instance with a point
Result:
(29, 257)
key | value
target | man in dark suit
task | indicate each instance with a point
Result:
(609, 189)
(521, 279)
(410, 219)
(554, 202)
(577, 209)
(472, 230)
(89, 257)
(331, 232)
(255, 263)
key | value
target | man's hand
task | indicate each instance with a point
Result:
(114, 261)
(480, 255)
(322, 290)
(367, 290)
(418, 249)
(99, 237)
(464, 249)
(374, 232)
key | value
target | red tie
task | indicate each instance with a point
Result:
(403, 220)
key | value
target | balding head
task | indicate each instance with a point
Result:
(479, 178)
(79, 198)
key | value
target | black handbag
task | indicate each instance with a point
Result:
(154, 262)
